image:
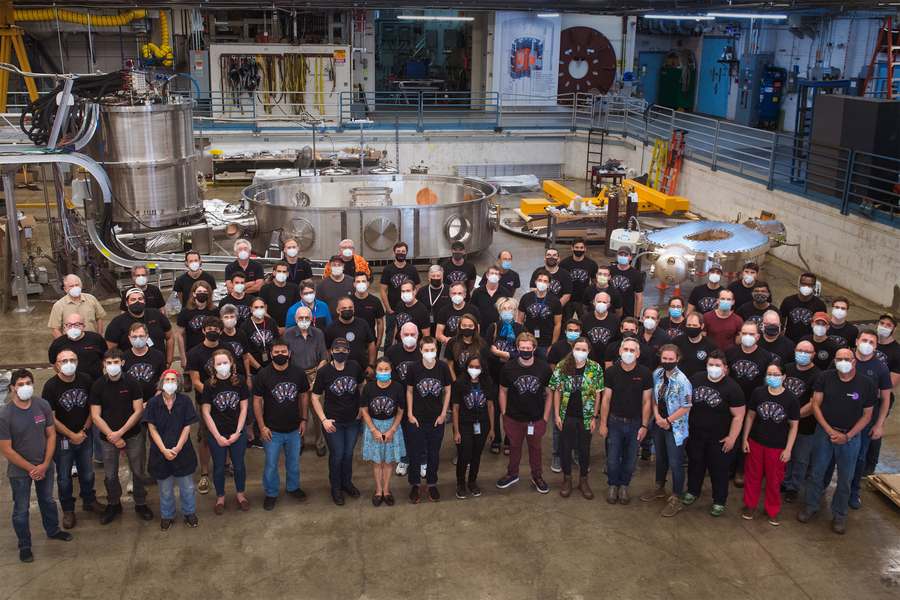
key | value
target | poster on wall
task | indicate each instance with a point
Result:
(526, 57)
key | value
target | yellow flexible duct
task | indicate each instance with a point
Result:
(165, 51)
(80, 18)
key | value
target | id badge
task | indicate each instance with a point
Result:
(265, 356)
(537, 333)
(531, 429)
(431, 318)
(477, 428)
(149, 342)
(64, 444)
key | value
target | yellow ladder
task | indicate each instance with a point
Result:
(660, 155)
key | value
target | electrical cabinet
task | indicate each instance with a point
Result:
(750, 79)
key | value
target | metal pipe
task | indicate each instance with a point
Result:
(15, 246)
(612, 219)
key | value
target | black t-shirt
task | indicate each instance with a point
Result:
(658, 339)
(844, 401)
(253, 271)
(89, 350)
(575, 407)
(392, 276)
(383, 403)
(260, 336)
(225, 399)
(801, 384)
(742, 294)
(185, 282)
(116, 402)
(797, 316)
(417, 314)
(694, 356)
(781, 348)
(239, 345)
(711, 404)
(526, 389)
(750, 314)
(340, 390)
(401, 359)
(601, 333)
(279, 299)
(157, 325)
(627, 387)
(465, 272)
(459, 360)
(485, 304)
(646, 358)
(299, 271)
(357, 333)
(748, 370)
(281, 391)
(773, 416)
(581, 274)
(242, 305)
(704, 298)
(368, 309)
(449, 317)
(509, 282)
(71, 401)
(192, 321)
(824, 350)
(628, 283)
(540, 315)
(146, 369)
(472, 399)
(560, 282)
(199, 359)
(845, 335)
(559, 350)
(153, 298)
(889, 354)
(674, 330)
(589, 296)
(434, 300)
(428, 388)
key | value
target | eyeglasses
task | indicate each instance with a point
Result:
(64, 361)
(75, 324)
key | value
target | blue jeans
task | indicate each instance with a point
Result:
(291, 444)
(219, 455)
(865, 439)
(21, 493)
(824, 450)
(341, 444)
(668, 457)
(796, 468)
(80, 456)
(425, 439)
(541, 352)
(621, 453)
(185, 494)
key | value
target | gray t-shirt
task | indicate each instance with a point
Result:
(330, 291)
(25, 428)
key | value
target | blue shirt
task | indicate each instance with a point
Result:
(319, 312)
(169, 425)
(678, 395)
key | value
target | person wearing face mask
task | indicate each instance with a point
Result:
(309, 353)
(501, 338)
(238, 297)
(888, 352)
(117, 404)
(600, 326)
(797, 311)
(88, 346)
(467, 342)
(799, 377)
(840, 330)
(402, 355)
(336, 400)
(563, 346)
(753, 311)
(358, 335)
(196, 310)
(368, 307)
(843, 402)
(743, 288)
(577, 383)
(541, 314)
(672, 401)
(673, 323)
(628, 329)
(335, 286)
(68, 393)
(705, 298)
(526, 402)
(722, 325)
(629, 283)
(143, 362)
(447, 322)
(75, 302)
(695, 347)
(153, 297)
(224, 405)
(198, 367)
(253, 269)
(772, 338)
(410, 310)
(582, 271)
(352, 263)
(434, 297)
(715, 422)
(169, 415)
(458, 269)
(299, 268)
(261, 329)
(509, 279)
(27, 440)
(159, 329)
(588, 298)
(382, 403)
(391, 277)
(825, 347)
(623, 417)
(770, 429)
(560, 283)
(473, 421)
(321, 315)
(485, 297)
(651, 334)
(237, 340)
(194, 272)
(280, 295)
(281, 404)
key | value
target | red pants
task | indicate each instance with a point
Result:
(518, 435)
(763, 461)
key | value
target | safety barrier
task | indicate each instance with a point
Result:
(420, 110)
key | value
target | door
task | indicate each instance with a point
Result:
(712, 97)
(649, 65)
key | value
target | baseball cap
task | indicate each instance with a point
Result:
(823, 316)
(624, 250)
(715, 267)
(340, 343)
(133, 291)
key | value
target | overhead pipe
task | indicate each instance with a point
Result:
(69, 16)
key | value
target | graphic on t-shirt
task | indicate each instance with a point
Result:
(577, 381)
(196, 322)
(475, 398)
(281, 299)
(620, 282)
(505, 345)
(599, 334)
(430, 387)
(756, 320)
(261, 338)
(538, 311)
(555, 287)
(243, 311)
(381, 406)
(228, 400)
(462, 358)
(142, 371)
(343, 385)
(745, 368)
(708, 303)
(285, 392)
(402, 319)
(455, 276)
(350, 336)
(822, 355)
(795, 385)
(841, 341)
(402, 368)
(675, 333)
(701, 354)
(527, 383)
(882, 357)
(397, 279)
(771, 411)
(452, 324)
(72, 398)
(580, 275)
(237, 349)
(708, 395)
(801, 315)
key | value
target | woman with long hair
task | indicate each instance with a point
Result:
(473, 420)
(500, 340)
(197, 307)
(383, 401)
(464, 344)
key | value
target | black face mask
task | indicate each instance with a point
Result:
(760, 298)
(693, 331)
(212, 336)
(458, 255)
(347, 314)
(669, 367)
(400, 257)
(467, 333)
(340, 357)
(578, 253)
(201, 298)
(436, 283)
(136, 308)
(551, 262)
(771, 330)
(526, 354)
(280, 359)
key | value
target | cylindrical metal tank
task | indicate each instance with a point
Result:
(148, 152)
(330, 215)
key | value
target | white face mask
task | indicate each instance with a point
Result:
(223, 370)
(309, 298)
(140, 281)
(75, 291)
(865, 348)
(362, 287)
(337, 271)
(229, 323)
(194, 266)
(239, 288)
(73, 333)
(492, 279)
(839, 313)
(541, 286)
(292, 252)
(347, 252)
(805, 290)
(113, 370)
(243, 255)
(819, 330)
(259, 313)
(844, 366)
(457, 300)
(601, 307)
(579, 355)
(406, 297)
(748, 340)
(883, 332)
(429, 356)
(714, 372)
(304, 324)
(628, 357)
(409, 341)
(68, 369)
(170, 388)
(649, 324)
(25, 392)
(714, 278)
(749, 279)
(280, 277)
(138, 342)
(473, 373)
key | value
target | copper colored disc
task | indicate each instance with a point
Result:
(587, 62)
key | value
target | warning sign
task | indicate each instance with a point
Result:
(340, 57)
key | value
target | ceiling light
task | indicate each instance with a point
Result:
(548, 15)
(680, 17)
(744, 16)
(433, 18)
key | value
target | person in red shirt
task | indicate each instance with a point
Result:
(721, 325)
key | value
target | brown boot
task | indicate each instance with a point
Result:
(585, 488)
(566, 490)
(68, 521)
(94, 507)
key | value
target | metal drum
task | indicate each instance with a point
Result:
(148, 153)
(329, 214)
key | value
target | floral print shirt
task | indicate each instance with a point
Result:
(678, 395)
(591, 383)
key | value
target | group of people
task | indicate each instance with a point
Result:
(740, 389)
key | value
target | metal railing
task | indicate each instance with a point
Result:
(421, 110)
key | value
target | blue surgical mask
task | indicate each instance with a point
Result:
(383, 377)
(802, 358)
(572, 335)
(622, 260)
(506, 265)
(773, 381)
(725, 304)
(507, 316)
(674, 312)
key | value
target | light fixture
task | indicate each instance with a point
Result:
(432, 18)
(680, 17)
(548, 15)
(744, 16)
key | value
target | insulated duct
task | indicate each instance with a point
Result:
(80, 18)
(163, 52)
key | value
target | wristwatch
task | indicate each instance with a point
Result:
(644, 427)
(594, 417)
(304, 419)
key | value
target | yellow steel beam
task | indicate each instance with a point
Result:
(667, 204)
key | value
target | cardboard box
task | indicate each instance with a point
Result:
(27, 243)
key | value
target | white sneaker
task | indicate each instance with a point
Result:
(74, 471)
(130, 488)
(455, 459)
(423, 470)
(402, 468)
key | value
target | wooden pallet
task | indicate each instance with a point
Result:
(889, 485)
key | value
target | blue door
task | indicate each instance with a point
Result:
(712, 96)
(649, 65)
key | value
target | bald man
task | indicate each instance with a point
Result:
(76, 302)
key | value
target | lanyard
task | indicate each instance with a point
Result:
(261, 336)
(476, 388)
(543, 300)
(294, 270)
(434, 300)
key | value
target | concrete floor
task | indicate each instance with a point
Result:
(512, 543)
